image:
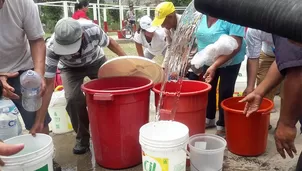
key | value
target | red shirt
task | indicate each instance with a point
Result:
(80, 14)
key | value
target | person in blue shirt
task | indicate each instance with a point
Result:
(225, 67)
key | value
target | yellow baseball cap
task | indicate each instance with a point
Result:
(161, 12)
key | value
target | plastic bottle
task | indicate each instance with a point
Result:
(30, 88)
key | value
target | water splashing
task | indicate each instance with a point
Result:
(181, 47)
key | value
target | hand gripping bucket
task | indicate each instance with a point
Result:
(37, 154)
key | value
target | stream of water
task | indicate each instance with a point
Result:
(181, 47)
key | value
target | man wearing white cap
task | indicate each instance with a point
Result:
(151, 38)
(77, 47)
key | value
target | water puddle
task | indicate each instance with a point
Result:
(182, 45)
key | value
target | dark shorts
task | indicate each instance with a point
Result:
(299, 165)
(132, 22)
(288, 55)
(300, 120)
(28, 117)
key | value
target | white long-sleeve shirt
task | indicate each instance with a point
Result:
(257, 41)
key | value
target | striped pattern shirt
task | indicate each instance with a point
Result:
(94, 38)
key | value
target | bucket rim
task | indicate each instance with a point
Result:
(209, 87)
(262, 111)
(177, 141)
(31, 153)
(118, 92)
(209, 135)
(146, 144)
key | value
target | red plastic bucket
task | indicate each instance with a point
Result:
(246, 136)
(192, 104)
(118, 107)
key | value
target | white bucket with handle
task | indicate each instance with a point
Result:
(37, 154)
(60, 123)
(164, 146)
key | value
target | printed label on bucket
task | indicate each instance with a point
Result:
(155, 164)
(44, 168)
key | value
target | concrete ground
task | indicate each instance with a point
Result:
(269, 161)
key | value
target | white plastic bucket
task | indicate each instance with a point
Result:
(163, 146)
(206, 152)
(37, 154)
(60, 123)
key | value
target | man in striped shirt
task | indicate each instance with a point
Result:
(76, 48)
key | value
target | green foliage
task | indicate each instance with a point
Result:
(139, 14)
(50, 16)
(90, 14)
(113, 19)
(180, 2)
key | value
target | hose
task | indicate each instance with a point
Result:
(281, 17)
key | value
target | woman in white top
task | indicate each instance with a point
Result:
(151, 38)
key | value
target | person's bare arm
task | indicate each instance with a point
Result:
(38, 52)
(252, 70)
(139, 49)
(167, 56)
(34, 31)
(41, 113)
(292, 103)
(253, 100)
(271, 80)
(286, 131)
(114, 47)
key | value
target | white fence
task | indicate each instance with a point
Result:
(100, 9)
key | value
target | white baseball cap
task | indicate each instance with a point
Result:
(146, 24)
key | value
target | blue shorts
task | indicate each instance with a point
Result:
(28, 117)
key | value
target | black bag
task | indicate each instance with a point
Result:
(281, 17)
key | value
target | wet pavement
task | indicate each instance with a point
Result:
(269, 161)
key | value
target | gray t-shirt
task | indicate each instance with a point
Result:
(19, 22)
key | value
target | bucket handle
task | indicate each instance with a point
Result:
(103, 96)
(267, 113)
(186, 150)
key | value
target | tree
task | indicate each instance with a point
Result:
(50, 16)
